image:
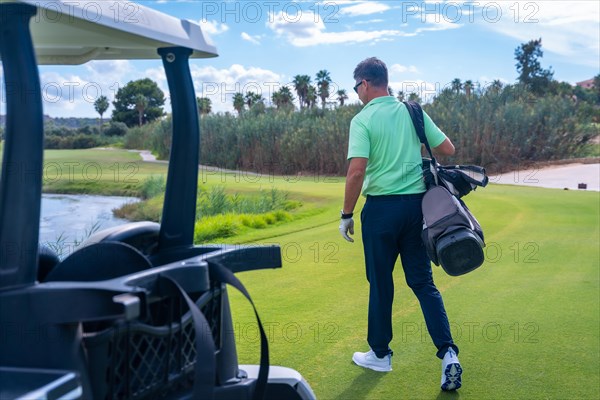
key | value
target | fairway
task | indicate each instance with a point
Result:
(105, 171)
(527, 322)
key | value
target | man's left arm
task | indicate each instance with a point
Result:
(354, 182)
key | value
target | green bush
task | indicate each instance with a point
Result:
(218, 202)
(116, 129)
(499, 128)
(216, 226)
(136, 138)
(506, 129)
(76, 141)
(153, 186)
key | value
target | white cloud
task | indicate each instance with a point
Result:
(108, 73)
(569, 29)
(62, 94)
(402, 69)
(435, 23)
(219, 85)
(308, 29)
(213, 28)
(364, 8)
(369, 22)
(252, 39)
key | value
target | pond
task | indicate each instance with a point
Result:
(69, 219)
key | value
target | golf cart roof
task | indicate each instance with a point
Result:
(75, 32)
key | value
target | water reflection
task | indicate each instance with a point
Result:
(71, 218)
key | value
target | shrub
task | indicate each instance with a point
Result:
(153, 186)
(116, 129)
(216, 226)
(77, 141)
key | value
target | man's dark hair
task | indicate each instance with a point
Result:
(373, 70)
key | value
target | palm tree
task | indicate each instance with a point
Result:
(341, 94)
(204, 105)
(252, 98)
(301, 85)
(311, 97)
(414, 97)
(468, 87)
(390, 91)
(101, 105)
(456, 85)
(400, 96)
(141, 103)
(323, 81)
(238, 102)
(496, 85)
(283, 98)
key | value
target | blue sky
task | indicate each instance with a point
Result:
(263, 44)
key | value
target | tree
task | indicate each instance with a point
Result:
(390, 91)
(597, 87)
(283, 98)
(204, 105)
(252, 98)
(141, 103)
(126, 107)
(400, 95)
(496, 85)
(414, 97)
(468, 86)
(239, 102)
(311, 97)
(456, 85)
(301, 85)
(531, 73)
(323, 81)
(341, 94)
(101, 105)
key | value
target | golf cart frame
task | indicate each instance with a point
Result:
(138, 312)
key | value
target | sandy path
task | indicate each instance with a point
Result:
(567, 176)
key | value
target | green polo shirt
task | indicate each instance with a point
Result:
(384, 133)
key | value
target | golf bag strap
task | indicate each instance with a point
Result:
(416, 115)
(205, 368)
(223, 274)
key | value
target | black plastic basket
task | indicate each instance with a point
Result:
(150, 359)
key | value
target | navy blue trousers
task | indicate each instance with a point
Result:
(391, 226)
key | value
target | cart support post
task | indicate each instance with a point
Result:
(23, 150)
(179, 208)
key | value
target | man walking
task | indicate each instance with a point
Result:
(385, 163)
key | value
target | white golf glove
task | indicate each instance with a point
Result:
(347, 226)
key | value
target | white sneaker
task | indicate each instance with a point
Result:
(371, 361)
(451, 371)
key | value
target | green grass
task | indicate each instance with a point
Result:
(110, 172)
(527, 322)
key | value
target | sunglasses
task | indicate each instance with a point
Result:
(358, 84)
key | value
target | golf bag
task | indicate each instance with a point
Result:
(460, 180)
(452, 235)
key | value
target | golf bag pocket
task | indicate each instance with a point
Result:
(452, 236)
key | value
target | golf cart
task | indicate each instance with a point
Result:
(138, 311)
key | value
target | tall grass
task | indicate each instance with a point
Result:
(503, 130)
(217, 201)
(218, 213)
(498, 128)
